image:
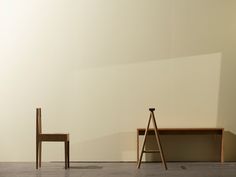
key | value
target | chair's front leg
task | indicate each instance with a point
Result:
(68, 155)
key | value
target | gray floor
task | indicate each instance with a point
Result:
(19, 169)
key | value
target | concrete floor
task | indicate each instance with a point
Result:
(20, 169)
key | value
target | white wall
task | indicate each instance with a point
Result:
(96, 66)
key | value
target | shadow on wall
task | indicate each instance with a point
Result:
(229, 146)
(107, 148)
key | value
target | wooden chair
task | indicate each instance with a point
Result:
(40, 137)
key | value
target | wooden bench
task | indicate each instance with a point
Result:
(185, 131)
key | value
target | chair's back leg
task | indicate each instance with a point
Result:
(37, 155)
(40, 153)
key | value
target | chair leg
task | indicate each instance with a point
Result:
(37, 154)
(68, 154)
(40, 153)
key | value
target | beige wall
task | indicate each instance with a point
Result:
(227, 94)
(96, 66)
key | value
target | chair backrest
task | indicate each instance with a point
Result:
(38, 121)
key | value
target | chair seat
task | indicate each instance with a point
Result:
(53, 137)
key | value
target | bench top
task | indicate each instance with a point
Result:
(182, 129)
(141, 131)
